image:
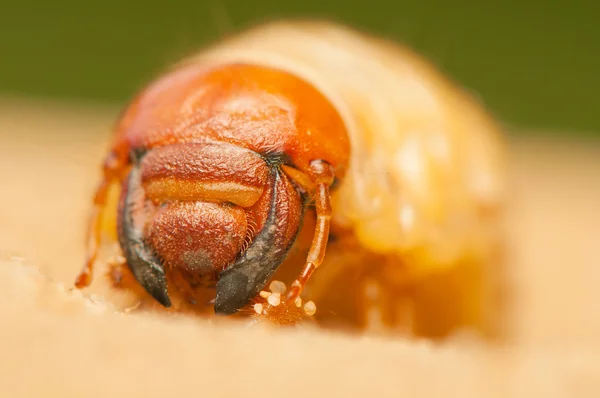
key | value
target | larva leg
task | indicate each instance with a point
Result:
(322, 174)
(111, 169)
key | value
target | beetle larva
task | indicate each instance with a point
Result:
(243, 137)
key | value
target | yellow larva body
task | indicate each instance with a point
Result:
(423, 193)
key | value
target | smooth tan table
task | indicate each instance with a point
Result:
(56, 343)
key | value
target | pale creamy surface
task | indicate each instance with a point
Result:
(57, 343)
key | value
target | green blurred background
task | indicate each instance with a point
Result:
(536, 65)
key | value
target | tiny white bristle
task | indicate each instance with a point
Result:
(258, 308)
(310, 308)
(264, 294)
(274, 299)
(277, 287)
(298, 302)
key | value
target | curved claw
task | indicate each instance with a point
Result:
(142, 262)
(244, 279)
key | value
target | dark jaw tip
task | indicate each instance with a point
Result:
(146, 269)
(152, 279)
(223, 310)
(233, 292)
(162, 297)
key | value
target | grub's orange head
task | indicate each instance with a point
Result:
(217, 165)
